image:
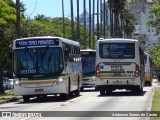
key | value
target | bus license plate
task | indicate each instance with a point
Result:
(38, 90)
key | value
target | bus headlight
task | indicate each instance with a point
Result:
(17, 82)
(60, 80)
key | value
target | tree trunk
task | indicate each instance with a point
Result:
(18, 18)
(89, 23)
(93, 37)
(63, 24)
(78, 33)
(72, 20)
(84, 11)
(1, 78)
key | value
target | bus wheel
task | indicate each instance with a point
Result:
(137, 90)
(145, 83)
(25, 98)
(77, 92)
(102, 91)
(44, 97)
(108, 92)
(150, 83)
(82, 88)
(64, 96)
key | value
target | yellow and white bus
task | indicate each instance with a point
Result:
(119, 65)
(148, 69)
(46, 66)
(88, 57)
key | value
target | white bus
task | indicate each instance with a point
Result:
(46, 66)
(119, 65)
(88, 57)
(148, 69)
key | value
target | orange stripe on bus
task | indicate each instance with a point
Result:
(37, 82)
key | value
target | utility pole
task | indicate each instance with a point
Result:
(18, 18)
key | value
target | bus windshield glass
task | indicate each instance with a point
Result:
(117, 50)
(45, 61)
(88, 62)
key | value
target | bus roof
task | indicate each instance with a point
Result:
(63, 39)
(116, 39)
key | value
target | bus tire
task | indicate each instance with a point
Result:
(64, 96)
(145, 83)
(82, 88)
(25, 98)
(102, 91)
(108, 92)
(137, 90)
(44, 97)
(77, 92)
(150, 83)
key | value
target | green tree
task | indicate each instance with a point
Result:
(128, 23)
(156, 11)
(143, 38)
(7, 32)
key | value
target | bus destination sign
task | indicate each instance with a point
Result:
(37, 42)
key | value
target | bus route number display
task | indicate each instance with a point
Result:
(37, 42)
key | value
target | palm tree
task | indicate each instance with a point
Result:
(18, 17)
(84, 11)
(110, 5)
(93, 37)
(78, 29)
(101, 18)
(97, 19)
(72, 21)
(89, 23)
(63, 24)
(104, 19)
(1, 78)
(129, 23)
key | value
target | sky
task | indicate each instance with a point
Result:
(51, 8)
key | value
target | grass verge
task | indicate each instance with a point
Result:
(156, 102)
(8, 97)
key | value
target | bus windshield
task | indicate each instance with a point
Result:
(117, 50)
(45, 61)
(88, 65)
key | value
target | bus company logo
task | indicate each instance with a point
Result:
(6, 114)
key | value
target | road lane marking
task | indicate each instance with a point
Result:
(65, 104)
